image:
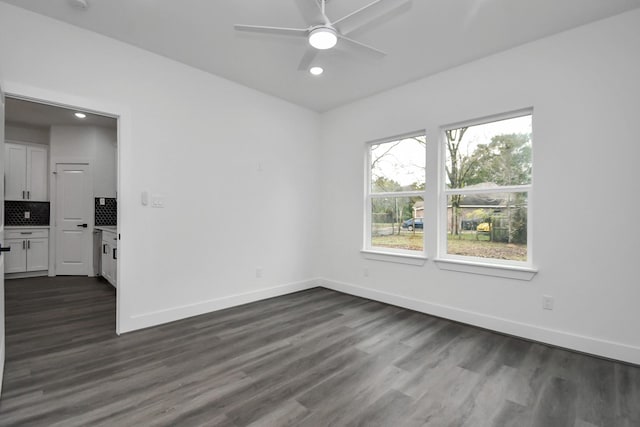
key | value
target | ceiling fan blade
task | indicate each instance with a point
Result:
(308, 57)
(301, 32)
(311, 11)
(366, 14)
(364, 48)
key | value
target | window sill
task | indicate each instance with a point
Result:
(396, 257)
(496, 270)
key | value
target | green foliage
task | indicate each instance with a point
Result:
(484, 215)
(383, 184)
(506, 160)
(519, 221)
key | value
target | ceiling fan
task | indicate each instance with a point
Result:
(324, 34)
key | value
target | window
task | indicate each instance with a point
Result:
(486, 191)
(395, 196)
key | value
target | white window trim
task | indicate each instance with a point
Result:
(522, 270)
(485, 268)
(381, 253)
(397, 256)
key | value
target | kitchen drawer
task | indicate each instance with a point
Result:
(27, 233)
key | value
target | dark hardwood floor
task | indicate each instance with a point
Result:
(313, 358)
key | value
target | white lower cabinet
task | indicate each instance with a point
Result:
(109, 256)
(29, 250)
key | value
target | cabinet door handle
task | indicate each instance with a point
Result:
(5, 249)
(28, 244)
(82, 225)
(104, 249)
(114, 253)
(24, 244)
(23, 194)
(28, 194)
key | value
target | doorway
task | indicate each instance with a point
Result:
(81, 175)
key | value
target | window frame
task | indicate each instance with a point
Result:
(378, 252)
(470, 264)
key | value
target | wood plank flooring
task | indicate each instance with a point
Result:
(314, 358)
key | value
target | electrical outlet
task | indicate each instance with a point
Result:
(102, 201)
(27, 214)
(547, 302)
(258, 272)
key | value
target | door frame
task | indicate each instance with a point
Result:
(2, 255)
(122, 114)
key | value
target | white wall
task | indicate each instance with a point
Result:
(24, 133)
(584, 86)
(197, 140)
(88, 143)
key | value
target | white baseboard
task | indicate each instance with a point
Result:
(581, 343)
(25, 275)
(159, 317)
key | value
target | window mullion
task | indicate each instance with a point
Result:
(500, 189)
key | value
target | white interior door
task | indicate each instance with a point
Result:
(1, 236)
(73, 209)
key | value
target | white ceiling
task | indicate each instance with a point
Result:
(429, 37)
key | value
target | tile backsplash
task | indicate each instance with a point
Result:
(106, 214)
(14, 213)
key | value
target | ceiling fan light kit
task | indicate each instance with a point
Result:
(323, 34)
(323, 38)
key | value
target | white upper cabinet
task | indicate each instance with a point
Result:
(15, 169)
(25, 172)
(37, 174)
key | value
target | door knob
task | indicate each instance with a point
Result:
(82, 225)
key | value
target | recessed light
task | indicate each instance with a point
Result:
(316, 71)
(79, 4)
(80, 115)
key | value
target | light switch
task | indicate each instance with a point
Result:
(157, 201)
